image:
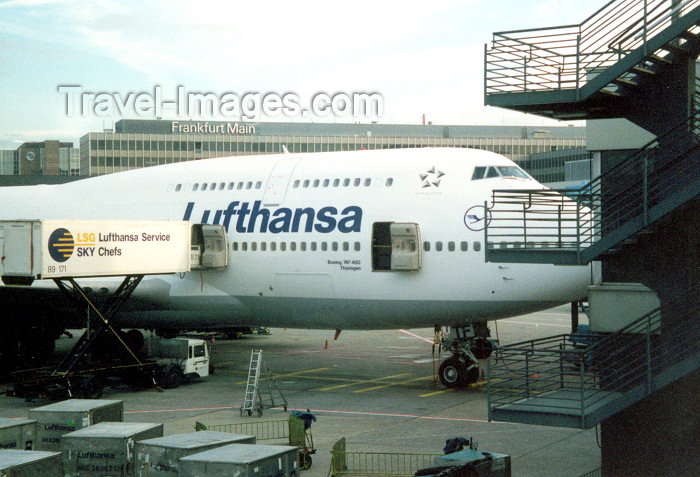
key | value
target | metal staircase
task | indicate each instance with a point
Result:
(554, 381)
(590, 70)
(546, 226)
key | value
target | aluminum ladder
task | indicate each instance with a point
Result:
(252, 401)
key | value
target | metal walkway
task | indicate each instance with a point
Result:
(546, 226)
(586, 71)
(552, 381)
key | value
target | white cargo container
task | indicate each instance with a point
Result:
(17, 433)
(160, 457)
(105, 449)
(243, 460)
(24, 463)
(55, 420)
(36, 249)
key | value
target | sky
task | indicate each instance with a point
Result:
(422, 58)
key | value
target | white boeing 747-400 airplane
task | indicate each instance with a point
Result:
(367, 240)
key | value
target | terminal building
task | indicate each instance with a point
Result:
(143, 143)
(45, 158)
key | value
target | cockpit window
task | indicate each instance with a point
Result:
(478, 173)
(492, 172)
(512, 171)
(482, 172)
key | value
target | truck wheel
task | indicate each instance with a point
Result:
(172, 376)
(90, 387)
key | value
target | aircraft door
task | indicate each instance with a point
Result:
(396, 246)
(209, 247)
(278, 182)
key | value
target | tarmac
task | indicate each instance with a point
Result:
(375, 388)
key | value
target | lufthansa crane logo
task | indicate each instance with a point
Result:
(61, 245)
(476, 219)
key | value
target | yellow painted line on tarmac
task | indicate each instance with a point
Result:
(296, 373)
(362, 381)
(388, 385)
(436, 393)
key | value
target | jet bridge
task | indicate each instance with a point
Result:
(64, 250)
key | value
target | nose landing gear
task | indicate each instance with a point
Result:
(468, 344)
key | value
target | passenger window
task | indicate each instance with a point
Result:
(478, 173)
(451, 246)
(356, 182)
(283, 246)
(464, 246)
(222, 185)
(368, 182)
(296, 184)
(204, 187)
(292, 246)
(263, 246)
(244, 246)
(317, 182)
(389, 182)
(195, 187)
(334, 246)
(231, 185)
(346, 246)
(346, 182)
(249, 185)
(273, 246)
(258, 184)
(438, 246)
(324, 246)
(313, 246)
(240, 186)
(234, 246)
(426, 246)
(178, 187)
(302, 246)
(357, 246)
(326, 182)
(336, 182)
(212, 186)
(477, 246)
(306, 183)
(253, 246)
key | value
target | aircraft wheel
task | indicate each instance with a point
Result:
(306, 461)
(456, 373)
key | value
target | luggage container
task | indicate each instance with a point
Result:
(17, 433)
(160, 456)
(55, 420)
(482, 462)
(105, 449)
(23, 463)
(242, 460)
